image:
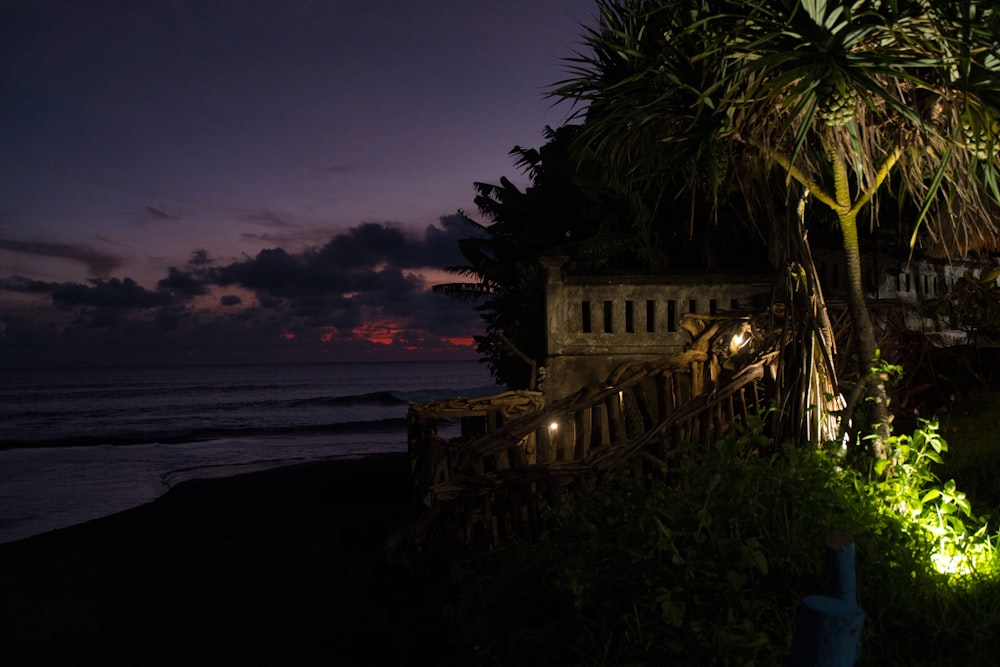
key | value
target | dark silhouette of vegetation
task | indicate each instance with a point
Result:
(572, 209)
(840, 97)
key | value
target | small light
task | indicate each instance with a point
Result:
(554, 426)
(740, 339)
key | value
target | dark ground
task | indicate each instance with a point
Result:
(272, 568)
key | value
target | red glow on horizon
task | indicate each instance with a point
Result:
(288, 335)
(460, 341)
(329, 333)
(381, 332)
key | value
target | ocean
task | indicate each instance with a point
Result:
(79, 444)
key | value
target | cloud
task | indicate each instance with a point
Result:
(98, 264)
(26, 285)
(200, 258)
(266, 218)
(371, 257)
(180, 283)
(113, 293)
(157, 213)
(359, 294)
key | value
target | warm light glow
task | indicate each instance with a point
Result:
(553, 426)
(329, 333)
(288, 335)
(380, 332)
(741, 338)
(460, 341)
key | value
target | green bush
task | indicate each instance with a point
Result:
(706, 565)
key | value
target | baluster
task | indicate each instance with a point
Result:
(583, 432)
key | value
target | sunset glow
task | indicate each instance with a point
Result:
(460, 341)
(210, 241)
(383, 332)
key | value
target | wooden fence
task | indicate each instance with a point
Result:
(493, 486)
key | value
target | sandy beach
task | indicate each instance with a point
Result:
(280, 567)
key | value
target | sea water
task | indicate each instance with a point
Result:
(79, 444)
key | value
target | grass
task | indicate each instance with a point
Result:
(706, 567)
(971, 425)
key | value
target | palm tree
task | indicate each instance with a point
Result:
(843, 97)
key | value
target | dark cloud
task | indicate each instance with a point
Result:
(371, 244)
(273, 270)
(368, 245)
(200, 258)
(441, 243)
(372, 259)
(355, 296)
(184, 284)
(98, 264)
(113, 293)
(26, 285)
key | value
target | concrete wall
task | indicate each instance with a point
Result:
(894, 279)
(595, 323)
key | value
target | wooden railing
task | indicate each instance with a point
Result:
(495, 486)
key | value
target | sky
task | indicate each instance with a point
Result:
(254, 181)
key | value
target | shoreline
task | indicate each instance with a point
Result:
(268, 567)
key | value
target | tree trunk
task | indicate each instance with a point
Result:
(864, 332)
(857, 305)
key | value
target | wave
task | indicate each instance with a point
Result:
(371, 398)
(375, 398)
(176, 436)
(389, 398)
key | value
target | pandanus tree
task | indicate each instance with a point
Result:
(847, 100)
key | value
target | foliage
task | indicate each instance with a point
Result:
(572, 210)
(562, 210)
(973, 305)
(807, 86)
(705, 566)
(842, 97)
(933, 513)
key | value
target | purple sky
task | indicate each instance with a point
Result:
(256, 180)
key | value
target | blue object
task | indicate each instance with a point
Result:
(828, 627)
(841, 582)
(827, 633)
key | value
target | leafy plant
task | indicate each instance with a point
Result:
(706, 564)
(933, 513)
